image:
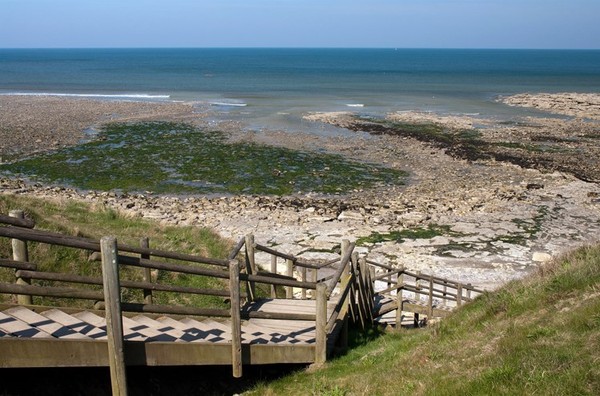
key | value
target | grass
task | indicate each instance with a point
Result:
(177, 158)
(74, 218)
(540, 335)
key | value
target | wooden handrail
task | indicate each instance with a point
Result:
(347, 283)
(237, 249)
(15, 221)
(375, 263)
(24, 265)
(72, 278)
(93, 245)
(343, 264)
(44, 291)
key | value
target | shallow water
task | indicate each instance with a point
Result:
(272, 88)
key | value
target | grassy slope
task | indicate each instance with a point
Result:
(536, 336)
(74, 218)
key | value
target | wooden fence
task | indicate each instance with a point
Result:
(350, 281)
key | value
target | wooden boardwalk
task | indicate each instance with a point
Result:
(41, 337)
(321, 301)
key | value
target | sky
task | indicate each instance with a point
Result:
(564, 24)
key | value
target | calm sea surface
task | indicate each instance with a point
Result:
(272, 87)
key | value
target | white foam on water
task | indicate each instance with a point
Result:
(228, 104)
(355, 105)
(89, 95)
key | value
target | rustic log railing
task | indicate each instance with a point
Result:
(33, 282)
(352, 285)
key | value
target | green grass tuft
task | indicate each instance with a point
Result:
(540, 335)
(75, 218)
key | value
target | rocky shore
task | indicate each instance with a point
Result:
(495, 220)
(574, 104)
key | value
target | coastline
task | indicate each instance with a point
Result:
(502, 219)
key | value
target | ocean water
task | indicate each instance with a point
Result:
(272, 88)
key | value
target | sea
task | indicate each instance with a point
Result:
(273, 87)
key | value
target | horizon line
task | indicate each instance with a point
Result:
(298, 47)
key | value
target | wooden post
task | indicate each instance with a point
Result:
(145, 244)
(19, 248)
(236, 321)
(400, 286)
(114, 320)
(354, 270)
(345, 247)
(321, 325)
(445, 292)
(459, 295)
(273, 271)
(304, 279)
(289, 290)
(250, 265)
(372, 277)
(367, 271)
(430, 302)
(315, 273)
(469, 291)
(417, 287)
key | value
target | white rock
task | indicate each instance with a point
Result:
(348, 215)
(541, 257)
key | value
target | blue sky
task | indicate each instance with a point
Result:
(309, 23)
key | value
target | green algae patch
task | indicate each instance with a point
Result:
(176, 158)
(428, 232)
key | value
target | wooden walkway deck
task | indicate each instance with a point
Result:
(51, 337)
(304, 327)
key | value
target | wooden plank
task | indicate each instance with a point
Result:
(114, 322)
(289, 290)
(250, 266)
(21, 265)
(19, 251)
(15, 352)
(259, 334)
(213, 333)
(236, 250)
(177, 334)
(304, 334)
(43, 323)
(321, 323)
(343, 264)
(71, 353)
(145, 244)
(67, 292)
(168, 309)
(274, 271)
(135, 331)
(17, 328)
(19, 221)
(48, 352)
(89, 330)
(195, 332)
(236, 321)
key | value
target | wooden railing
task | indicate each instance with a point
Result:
(107, 256)
(410, 287)
(350, 281)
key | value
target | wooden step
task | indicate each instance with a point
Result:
(161, 327)
(18, 328)
(34, 319)
(76, 324)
